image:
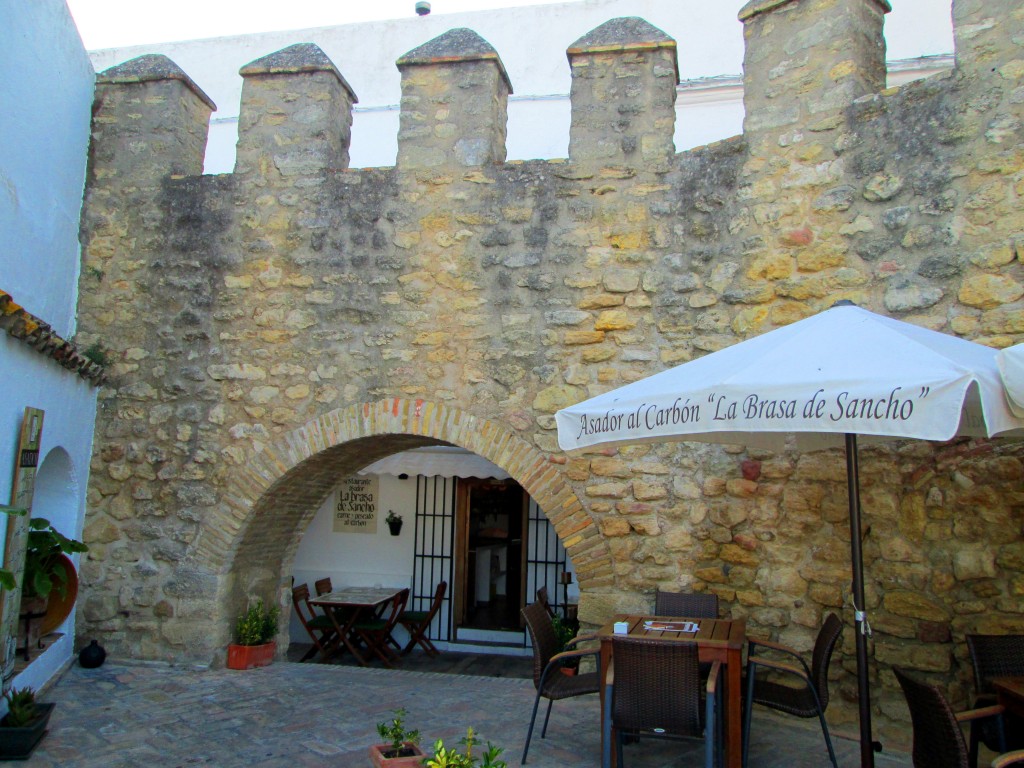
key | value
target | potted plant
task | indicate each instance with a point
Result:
(402, 749)
(565, 631)
(45, 555)
(255, 631)
(452, 758)
(394, 522)
(24, 725)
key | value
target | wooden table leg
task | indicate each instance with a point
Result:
(733, 712)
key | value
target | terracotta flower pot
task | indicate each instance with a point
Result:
(250, 656)
(411, 757)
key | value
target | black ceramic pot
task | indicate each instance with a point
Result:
(92, 655)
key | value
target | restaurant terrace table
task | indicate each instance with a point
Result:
(1010, 693)
(717, 640)
(362, 601)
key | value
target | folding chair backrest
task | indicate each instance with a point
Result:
(542, 635)
(542, 598)
(657, 686)
(938, 740)
(699, 605)
(323, 586)
(995, 656)
(300, 602)
(397, 605)
(824, 645)
(435, 605)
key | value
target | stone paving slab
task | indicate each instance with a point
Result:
(307, 716)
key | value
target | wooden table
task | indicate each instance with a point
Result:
(1010, 693)
(361, 600)
(717, 640)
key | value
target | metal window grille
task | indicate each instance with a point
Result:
(433, 546)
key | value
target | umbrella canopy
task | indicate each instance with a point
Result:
(1011, 368)
(825, 379)
(844, 370)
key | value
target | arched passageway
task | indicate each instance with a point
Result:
(271, 501)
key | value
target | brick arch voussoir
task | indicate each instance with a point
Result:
(434, 422)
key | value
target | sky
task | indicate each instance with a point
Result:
(114, 23)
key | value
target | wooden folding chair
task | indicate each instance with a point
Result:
(319, 626)
(418, 622)
(375, 631)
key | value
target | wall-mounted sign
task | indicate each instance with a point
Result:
(355, 505)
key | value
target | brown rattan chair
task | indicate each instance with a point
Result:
(692, 605)
(320, 628)
(417, 623)
(654, 689)
(995, 656)
(938, 740)
(809, 698)
(548, 679)
(375, 631)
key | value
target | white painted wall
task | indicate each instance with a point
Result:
(531, 42)
(45, 103)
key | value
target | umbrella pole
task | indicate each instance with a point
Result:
(867, 755)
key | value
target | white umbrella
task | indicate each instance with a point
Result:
(1011, 368)
(828, 378)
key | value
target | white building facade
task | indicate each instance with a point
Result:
(48, 81)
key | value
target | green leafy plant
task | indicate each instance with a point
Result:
(394, 732)
(258, 625)
(452, 758)
(97, 353)
(43, 572)
(564, 631)
(21, 707)
(392, 517)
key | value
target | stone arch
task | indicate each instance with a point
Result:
(272, 499)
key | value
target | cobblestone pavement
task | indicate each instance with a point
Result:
(299, 715)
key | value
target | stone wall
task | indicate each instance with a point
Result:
(281, 326)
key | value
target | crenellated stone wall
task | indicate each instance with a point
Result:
(278, 327)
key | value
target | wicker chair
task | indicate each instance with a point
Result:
(417, 623)
(320, 628)
(810, 699)
(654, 689)
(938, 740)
(995, 656)
(548, 679)
(692, 605)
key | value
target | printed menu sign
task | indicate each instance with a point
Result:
(355, 505)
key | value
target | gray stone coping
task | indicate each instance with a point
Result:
(755, 7)
(152, 67)
(459, 44)
(301, 57)
(626, 33)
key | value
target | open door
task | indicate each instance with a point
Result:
(490, 557)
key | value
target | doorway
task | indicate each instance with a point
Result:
(490, 559)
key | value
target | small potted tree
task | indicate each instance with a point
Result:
(255, 631)
(24, 725)
(394, 522)
(452, 758)
(402, 749)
